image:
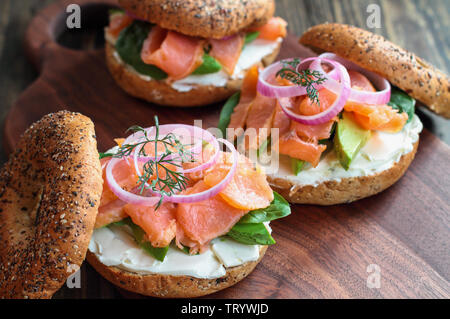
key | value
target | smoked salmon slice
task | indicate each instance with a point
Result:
(203, 221)
(314, 132)
(248, 94)
(227, 51)
(373, 117)
(110, 213)
(260, 118)
(159, 225)
(308, 107)
(247, 190)
(177, 54)
(360, 82)
(281, 121)
(292, 145)
(273, 29)
(125, 175)
(378, 117)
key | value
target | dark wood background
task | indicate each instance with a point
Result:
(421, 26)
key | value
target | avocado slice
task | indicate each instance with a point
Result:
(349, 139)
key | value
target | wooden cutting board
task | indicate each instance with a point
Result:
(402, 234)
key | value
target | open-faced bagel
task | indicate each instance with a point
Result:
(50, 190)
(203, 18)
(161, 92)
(402, 68)
(169, 286)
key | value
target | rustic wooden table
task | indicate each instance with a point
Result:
(421, 26)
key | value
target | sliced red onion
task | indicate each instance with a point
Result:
(213, 191)
(132, 198)
(273, 90)
(123, 194)
(343, 92)
(199, 133)
(380, 97)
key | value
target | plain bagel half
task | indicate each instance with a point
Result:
(168, 286)
(49, 194)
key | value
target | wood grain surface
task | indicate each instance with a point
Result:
(320, 251)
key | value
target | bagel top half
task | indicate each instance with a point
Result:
(49, 194)
(404, 69)
(203, 18)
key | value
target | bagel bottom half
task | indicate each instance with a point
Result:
(160, 92)
(169, 286)
(344, 191)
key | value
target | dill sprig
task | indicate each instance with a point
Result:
(158, 173)
(306, 78)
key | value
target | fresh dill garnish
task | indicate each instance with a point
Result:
(159, 174)
(306, 78)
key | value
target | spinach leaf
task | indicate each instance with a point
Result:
(209, 65)
(250, 37)
(297, 165)
(279, 208)
(227, 110)
(402, 102)
(103, 155)
(129, 46)
(139, 237)
(250, 230)
(251, 234)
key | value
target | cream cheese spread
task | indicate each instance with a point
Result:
(114, 246)
(380, 153)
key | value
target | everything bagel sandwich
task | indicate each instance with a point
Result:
(178, 216)
(340, 130)
(50, 190)
(189, 53)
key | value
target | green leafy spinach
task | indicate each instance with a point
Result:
(250, 230)
(402, 102)
(129, 46)
(209, 65)
(139, 237)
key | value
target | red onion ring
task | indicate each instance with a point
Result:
(273, 90)
(380, 97)
(153, 200)
(213, 191)
(335, 108)
(123, 194)
(193, 131)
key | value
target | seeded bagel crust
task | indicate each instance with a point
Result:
(404, 69)
(160, 92)
(49, 194)
(168, 286)
(203, 18)
(344, 191)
